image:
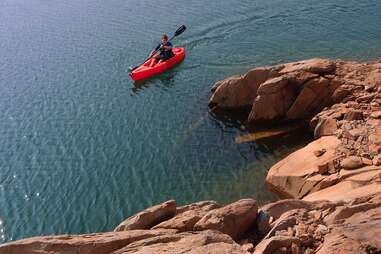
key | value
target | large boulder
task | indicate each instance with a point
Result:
(187, 216)
(206, 205)
(239, 91)
(275, 96)
(149, 217)
(234, 219)
(283, 92)
(315, 95)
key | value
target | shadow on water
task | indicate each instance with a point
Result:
(230, 118)
(266, 137)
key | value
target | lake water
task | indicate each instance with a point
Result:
(82, 147)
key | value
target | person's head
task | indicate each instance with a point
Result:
(164, 38)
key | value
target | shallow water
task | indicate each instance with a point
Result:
(82, 147)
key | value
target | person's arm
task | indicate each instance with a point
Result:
(156, 49)
(168, 46)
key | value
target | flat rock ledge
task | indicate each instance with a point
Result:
(286, 226)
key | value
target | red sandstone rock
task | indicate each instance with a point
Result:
(211, 242)
(234, 219)
(315, 65)
(101, 243)
(240, 91)
(182, 222)
(276, 243)
(294, 226)
(323, 227)
(325, 127)
(149, 217)
(352, 162)
(316, 94)
(353, 115)
(275, 96)
(207, 206)
(376, 114)
(289, 91)
(352, 184)
(187, 216)
(292, 177)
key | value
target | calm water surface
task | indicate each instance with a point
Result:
(82, 147)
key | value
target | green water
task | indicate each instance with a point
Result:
(82, 147)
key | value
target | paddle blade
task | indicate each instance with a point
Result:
(180, 30)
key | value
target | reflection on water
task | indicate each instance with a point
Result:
(165, 80)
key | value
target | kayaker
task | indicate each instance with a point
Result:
(165, 48)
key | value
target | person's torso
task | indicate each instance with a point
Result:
(163, 50)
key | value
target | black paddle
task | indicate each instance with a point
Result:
(179, 31)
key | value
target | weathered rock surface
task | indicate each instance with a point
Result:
(290, 91)
(187, 216)
(240, 91)
(298, 174)
(342, 100)
(351, 162)
(188, 242)
(234, 219)
(205, 206)
(296, 226)
(291, 226)
(149, 217)
(325, 127)
(101, 243)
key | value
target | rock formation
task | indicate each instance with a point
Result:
(149, 217)
(342, 101)
(286, 226)
(298, 90)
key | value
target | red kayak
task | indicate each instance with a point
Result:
(144, 71)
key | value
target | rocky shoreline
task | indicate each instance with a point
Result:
(333, 185)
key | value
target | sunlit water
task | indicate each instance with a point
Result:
(82, 147)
